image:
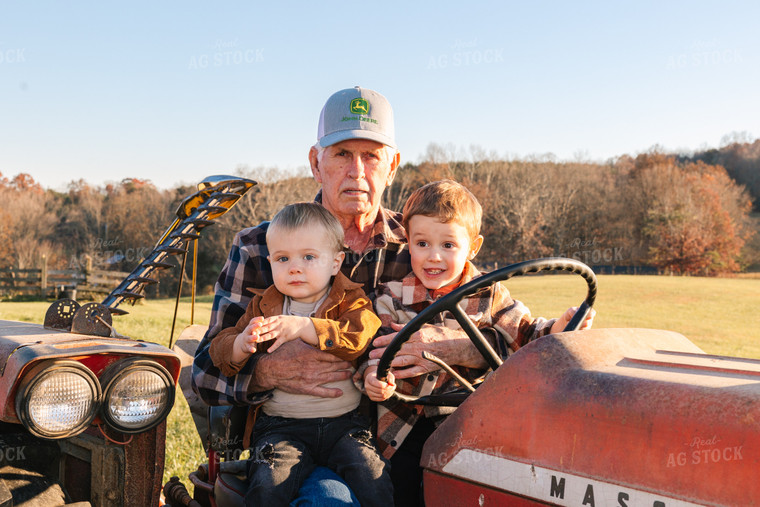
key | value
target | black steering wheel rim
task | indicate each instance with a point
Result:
(451, 300)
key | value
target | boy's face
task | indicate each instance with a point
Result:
(439, 250)
(303, 261)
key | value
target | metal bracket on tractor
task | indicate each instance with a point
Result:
(215, 196)
(60, 314)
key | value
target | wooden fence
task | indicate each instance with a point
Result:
(46, 283)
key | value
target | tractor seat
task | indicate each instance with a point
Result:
(230, 485)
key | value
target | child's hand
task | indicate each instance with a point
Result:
(246, 341)
(285, 328)
(560, 323)
(376, 389)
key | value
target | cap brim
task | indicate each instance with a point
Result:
(344, 135)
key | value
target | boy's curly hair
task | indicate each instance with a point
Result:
(448, 201)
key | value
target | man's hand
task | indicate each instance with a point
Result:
(299, 368)
(452, 346)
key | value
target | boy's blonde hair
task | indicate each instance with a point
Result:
(302, 214)
(448, 201)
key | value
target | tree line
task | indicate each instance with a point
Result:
(672, 213)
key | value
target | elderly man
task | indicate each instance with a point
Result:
(354, 160)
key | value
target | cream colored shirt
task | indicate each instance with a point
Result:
(305, 406)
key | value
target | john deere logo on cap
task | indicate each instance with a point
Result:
(359, 106)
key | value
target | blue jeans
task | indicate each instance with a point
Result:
(325, 488)
(286, 451)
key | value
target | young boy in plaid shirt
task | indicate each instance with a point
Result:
(442, 221)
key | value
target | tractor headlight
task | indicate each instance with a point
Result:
(57, 399)
(138, 394)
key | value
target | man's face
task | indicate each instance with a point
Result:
(353, 175)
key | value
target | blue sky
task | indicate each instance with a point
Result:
(176, 91)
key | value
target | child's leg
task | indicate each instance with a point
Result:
(325, 488)
(279, 463)
(354, 457)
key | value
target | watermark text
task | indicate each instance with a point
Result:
(465, 53)
(226, 53)
(11, 56)
(702, 451)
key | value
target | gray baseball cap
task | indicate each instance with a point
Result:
(356, 113)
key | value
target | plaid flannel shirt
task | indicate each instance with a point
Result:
(491, 307)
(386, 258)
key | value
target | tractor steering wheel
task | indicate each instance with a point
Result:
(450, 303)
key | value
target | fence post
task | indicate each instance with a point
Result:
(87, 268)
(43, 277)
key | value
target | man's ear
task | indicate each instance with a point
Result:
(338, 262)
(314, 163)
(475, 247)
(394, 167)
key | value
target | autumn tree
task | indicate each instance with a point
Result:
(81, 224)
(409, 177)
(693, 217)
(275, 189)
(30, 225)
(135, 213)
(6, 253)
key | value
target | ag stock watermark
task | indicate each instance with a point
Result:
(12, 453)
(231, 448)
(226, 53)
(466, 53)
(12, 56)
(108, 251)
(443, 458)
(702, 450)
(591, 251)
(705, 53)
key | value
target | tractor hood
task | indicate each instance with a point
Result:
(604, 417)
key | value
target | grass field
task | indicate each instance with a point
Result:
(717, 314)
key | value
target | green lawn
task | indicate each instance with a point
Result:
(718, 314)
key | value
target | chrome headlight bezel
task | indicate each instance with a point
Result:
(121, 370)
(36, 378)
